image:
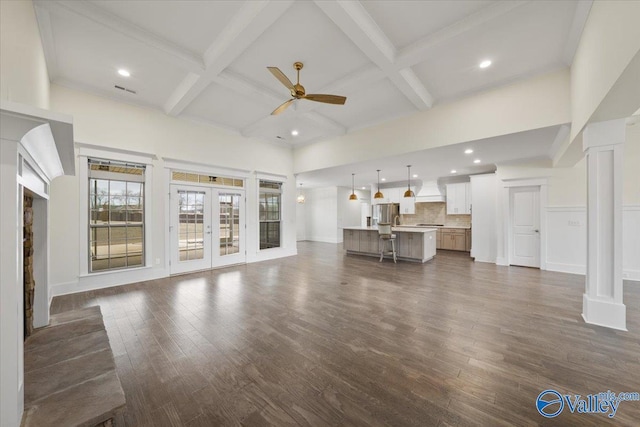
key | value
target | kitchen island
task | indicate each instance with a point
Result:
(416, 244)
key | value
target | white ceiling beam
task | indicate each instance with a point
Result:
(246, 26)
(559, 141)
(420, 50)
(241, 85)
(167, 49)
(357, 24)
(579, 21)
(48, 42)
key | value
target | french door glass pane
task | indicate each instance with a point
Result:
(229, 223)
(191, 226)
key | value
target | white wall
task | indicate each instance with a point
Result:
(484, 189)
(326, 211)
(321, 208)
(107, 123)
(531, 104)
(23, 71)
(609, 41)
(350, 211)
(566, 215)
(301, 221)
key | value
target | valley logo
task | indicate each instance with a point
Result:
(551, 403)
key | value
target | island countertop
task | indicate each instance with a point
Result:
(403, 228)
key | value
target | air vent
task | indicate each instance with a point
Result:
(125, 89)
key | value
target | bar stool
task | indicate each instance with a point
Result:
(385, 236)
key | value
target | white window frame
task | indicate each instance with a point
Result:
(284, 194)
(87, 151)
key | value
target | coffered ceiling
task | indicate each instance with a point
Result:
(206, 60)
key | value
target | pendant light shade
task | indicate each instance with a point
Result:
(353, 188)
(409, 193)
(300, 198)
(378, 195)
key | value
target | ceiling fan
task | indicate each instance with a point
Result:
(298, 92)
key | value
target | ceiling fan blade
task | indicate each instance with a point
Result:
(328, 99)
(282, 107)
(283, 79)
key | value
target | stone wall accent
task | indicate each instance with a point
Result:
(435, 213)
(29, 281)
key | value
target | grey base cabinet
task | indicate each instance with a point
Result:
(417, 246)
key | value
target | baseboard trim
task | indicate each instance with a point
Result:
(566, 268)
(631, 275)
(487, 260)
(324, 239)
(604, 313)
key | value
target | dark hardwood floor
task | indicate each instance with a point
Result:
(327, 339)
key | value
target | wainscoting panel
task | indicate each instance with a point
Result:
(631, 243)
(567, 240)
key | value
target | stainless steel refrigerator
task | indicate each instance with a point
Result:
(384, 213)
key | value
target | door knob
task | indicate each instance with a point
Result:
(537, 231)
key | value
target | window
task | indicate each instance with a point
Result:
(270, 197)
(116, 215)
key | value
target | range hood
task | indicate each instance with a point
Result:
(430, 192)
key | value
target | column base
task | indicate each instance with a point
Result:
(604, 313)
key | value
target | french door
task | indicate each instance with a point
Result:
(207, 228)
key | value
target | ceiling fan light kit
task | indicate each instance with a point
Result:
(298, 92)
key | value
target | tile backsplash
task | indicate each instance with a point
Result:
(435, 213)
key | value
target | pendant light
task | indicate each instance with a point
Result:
(300, 198)
(353, 188)
(409, 193)
(378, 195)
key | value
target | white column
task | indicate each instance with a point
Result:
(602, 300)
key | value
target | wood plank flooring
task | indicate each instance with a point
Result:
(327, 339)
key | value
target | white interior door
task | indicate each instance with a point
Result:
(190, 228)
(230, 232)
(525, 227)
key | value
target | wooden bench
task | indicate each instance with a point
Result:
(70, 376)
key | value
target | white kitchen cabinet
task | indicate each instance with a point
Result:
(391, 195)
(407, 204)
(467, 192)
(458, 198)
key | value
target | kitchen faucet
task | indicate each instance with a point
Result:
(396, 220)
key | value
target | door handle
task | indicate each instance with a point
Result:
(536, 231)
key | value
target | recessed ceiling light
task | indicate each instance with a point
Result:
(294, 132)
(415, 175)
(468, 151)
(485, 63)
(364, 188)
(123, 72)
(476, 161)
(383, 179)
(454, 171)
